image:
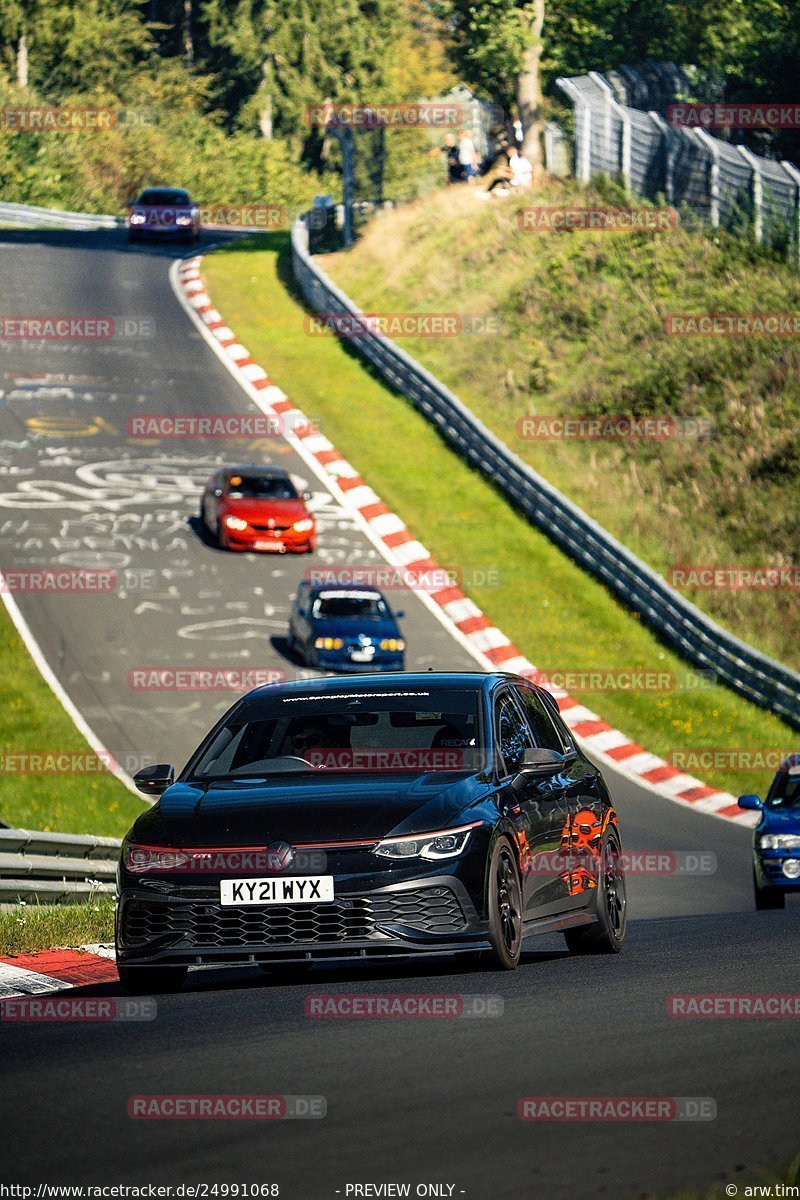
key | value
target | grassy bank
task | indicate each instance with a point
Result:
(33, 721)
(29, 927)
(580, 333)
(557, 615)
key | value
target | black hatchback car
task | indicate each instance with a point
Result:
(374, 816)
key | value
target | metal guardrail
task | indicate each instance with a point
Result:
(55, 867)
(27, 216)
(723, 184)
(694, 635)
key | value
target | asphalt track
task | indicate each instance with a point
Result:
(408, 1101)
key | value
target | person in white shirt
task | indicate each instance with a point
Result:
(521, 169)
(516, 171)
(467, 156)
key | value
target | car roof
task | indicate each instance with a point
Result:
(400, 681)
(255, 469)
(162, 190)
(344, 587)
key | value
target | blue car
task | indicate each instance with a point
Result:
(339, 627)
(776, 848)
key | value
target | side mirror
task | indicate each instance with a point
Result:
(307, 495)
(541, 762)
(751, 802)
(154, 781)
(537, 762)
(398, 616)
(131, 203)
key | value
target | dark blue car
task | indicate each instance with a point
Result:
(340, 627)
(776, 848)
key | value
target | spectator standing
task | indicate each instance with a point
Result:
(450, 151)
(467, 156)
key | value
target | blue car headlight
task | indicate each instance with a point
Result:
(779, 841)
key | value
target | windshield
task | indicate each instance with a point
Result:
(421, 731)
(164, 198)
(257, 487)
(787, 792)
(364, 606)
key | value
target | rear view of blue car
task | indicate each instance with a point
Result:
(338, 627)
(776, 849)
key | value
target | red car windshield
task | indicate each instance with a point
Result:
(261, 487)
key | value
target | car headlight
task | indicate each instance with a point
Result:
(138, 218)
(447, 843)
(235, 523)
(780, 841)
(328, 643)
(393, 644)
(141, 859)
(303, 526)
(182, 220)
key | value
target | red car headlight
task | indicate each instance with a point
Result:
(303, 526)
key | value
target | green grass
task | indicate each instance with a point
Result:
(581, 334)
(28, 927)
(749, 1181)
(558, 616)
(32, 720)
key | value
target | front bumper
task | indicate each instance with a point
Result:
(338, 661)
(186, 925)
(768, 866)
(168, 234)
(269, 542)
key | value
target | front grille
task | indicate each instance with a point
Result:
(206, 924)
(269, 528)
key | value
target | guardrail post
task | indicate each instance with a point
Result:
(712, 146)
(626, 148)
(668, 141)
(583, 130)
(793, 173)
(756, 191)
(612, 105)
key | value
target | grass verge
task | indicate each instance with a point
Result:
(29, 927)
(32, 721)
(579, 332)
(558, 616)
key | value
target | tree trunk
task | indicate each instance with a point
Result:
(188, 40)
(265, 120)
(529, 88)
(22, 61)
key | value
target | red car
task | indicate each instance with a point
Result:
(257, 508)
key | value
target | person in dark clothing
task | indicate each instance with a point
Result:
(450, 152)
